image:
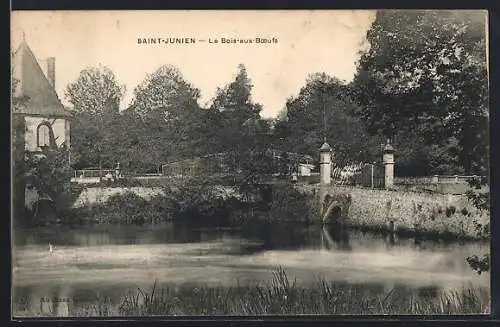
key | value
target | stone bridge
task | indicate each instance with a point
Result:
(333, 204)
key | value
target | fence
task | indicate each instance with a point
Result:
(90, 176)
(371, 175)
(445, 184)
(362, 174)
(226, 164)
(435, 179)
(215, 164)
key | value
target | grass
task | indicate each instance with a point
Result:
(281, 296)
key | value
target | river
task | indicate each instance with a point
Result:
(88, 262)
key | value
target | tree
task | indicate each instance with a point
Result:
(171, 119)
(236, 97)
(323, 109)
(425, 75)
(49, 173)
(164, 95)
(241, 133)
(235, 105)
(424, 82)
(95, 98)
(95, 91)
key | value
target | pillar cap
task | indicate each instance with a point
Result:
(388, 148)
(325, 147)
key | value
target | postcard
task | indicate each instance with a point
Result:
(250, 163)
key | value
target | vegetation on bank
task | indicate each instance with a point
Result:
(281, 296)
(199, 202)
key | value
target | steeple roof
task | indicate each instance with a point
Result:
(32, 84)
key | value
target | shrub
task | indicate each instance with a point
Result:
(289, 204)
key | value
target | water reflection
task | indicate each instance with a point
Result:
(108, 261)
(335, 237)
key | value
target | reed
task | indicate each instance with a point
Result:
(282, 296)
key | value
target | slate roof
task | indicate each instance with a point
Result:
(33, 85)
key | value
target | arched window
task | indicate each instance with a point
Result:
(43, 135)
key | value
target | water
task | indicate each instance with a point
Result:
(90, 262)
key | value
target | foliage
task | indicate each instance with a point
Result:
(95, 98)
(163, 123)
(49, 173)
(164, 95)
(124, 208)
(234, 107)
(480, 264)
(235, 98)
(481, 200)
(290, 204)
(425, 75)
(169, 121)
(242, 133)
(424, 83)
(96, 91)
(322, 109)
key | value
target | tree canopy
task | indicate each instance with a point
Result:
(322, 110)
(95, 91)
(95, 101)
(424, 80)
(164, 94)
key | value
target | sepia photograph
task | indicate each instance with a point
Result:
(249, 163)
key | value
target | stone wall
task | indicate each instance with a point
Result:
(413, 211)
(100, 195)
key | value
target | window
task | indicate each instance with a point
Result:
(43, 135)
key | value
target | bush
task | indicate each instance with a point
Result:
(289, 204)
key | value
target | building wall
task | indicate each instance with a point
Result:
(60, 127)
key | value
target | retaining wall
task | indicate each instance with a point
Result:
(413, 211)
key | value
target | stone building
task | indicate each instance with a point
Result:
(45, 118)
(39, 119)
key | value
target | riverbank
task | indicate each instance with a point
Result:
(415, 213)
(280, 296)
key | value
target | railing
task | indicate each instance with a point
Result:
(435, 179)
(91, 176)
(91, 173)
(362, 174)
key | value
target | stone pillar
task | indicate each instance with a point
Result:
(388, 160)
(325, 165)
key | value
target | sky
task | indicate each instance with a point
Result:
(307, 42)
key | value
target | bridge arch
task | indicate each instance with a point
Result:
(334, 207)
(333, 213)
